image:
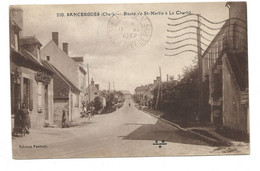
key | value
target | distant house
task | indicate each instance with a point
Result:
(73, 74)
(91, 92)
(127, 94)
(31, 81)
(144, 94)
(82, 80)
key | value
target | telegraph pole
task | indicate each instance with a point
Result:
(199, 66)
(160, 82)
(159, 87)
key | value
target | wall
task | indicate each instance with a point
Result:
(75, 108)
(37, 119)
(66, 65)
(59, 105)
(127, 96)
(16, 14)
(94, 92)
(234, 114)
(50, 102)
(238, 10)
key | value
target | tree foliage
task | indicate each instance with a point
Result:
(97, 103)
(179, 97)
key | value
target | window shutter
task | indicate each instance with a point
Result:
(31, 95)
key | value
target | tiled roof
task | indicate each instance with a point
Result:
(29, 40)
(79, 58)
(73, 87)
(26, 59)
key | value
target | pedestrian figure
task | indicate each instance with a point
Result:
(24, 113)
(64, 123)
(92, 108)
(84, 110)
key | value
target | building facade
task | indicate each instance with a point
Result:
(64, 96)
(31, 81)
(70, 71)
(91, 92)
(225, 71)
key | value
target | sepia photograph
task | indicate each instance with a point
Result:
(129, 80)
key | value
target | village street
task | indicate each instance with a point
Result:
(125, 132)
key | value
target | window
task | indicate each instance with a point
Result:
(48, 58)
(15, 94)
(28, 92)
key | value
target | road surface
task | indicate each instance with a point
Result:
(125, 132)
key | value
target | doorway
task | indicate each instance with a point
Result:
(46, 102)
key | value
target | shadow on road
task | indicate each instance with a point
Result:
(159, 131)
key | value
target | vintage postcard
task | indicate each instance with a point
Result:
(129, 80)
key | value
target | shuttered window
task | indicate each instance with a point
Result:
(28, 92)
(39, 95)
(31, 95)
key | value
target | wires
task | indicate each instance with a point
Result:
(173, 37)
(184, 40)
(211, 22)
(205, 33)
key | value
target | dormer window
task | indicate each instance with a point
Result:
(15, 38)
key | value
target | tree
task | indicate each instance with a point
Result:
(97, 103)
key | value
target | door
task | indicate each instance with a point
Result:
(71, 107)
(46, 102)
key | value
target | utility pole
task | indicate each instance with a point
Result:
(160, 82)
(88, 85)
(109, 86)
(113, 86)
(199, 66)
(159, 88)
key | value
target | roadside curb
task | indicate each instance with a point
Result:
(215, 142)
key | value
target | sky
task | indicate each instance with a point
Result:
(108, 62)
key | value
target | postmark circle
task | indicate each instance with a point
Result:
(129, 31)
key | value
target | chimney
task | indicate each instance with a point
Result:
(154, 81)
(97, 86)
(65, 47)
(92, 81)
(55, 37)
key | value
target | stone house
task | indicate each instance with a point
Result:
(82, 79)
(225, 72)
(127, 94)
(31, 81)
(64, 96)
(91, 92)
(144, 94)
(70, 71)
